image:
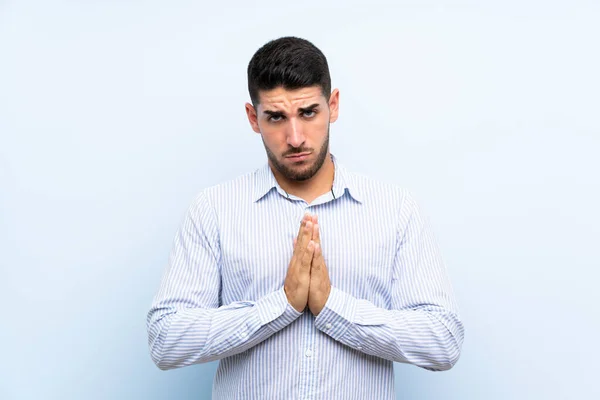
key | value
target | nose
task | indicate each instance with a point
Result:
(295, 134)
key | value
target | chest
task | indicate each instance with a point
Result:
(358, 247)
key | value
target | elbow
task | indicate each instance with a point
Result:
(440, 361)
(431, 358)
(167, 355)
(444, 361)
(164, 366)
(164, 363)
(156, 338)
(446, 356)
(160, 364)
(449, 346)
(453, 355)
(158, 355)
(159, 360)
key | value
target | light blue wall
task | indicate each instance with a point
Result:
(114, 114)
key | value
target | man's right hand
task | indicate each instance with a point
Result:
(297, 280)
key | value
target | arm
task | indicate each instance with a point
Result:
(422, 327)
(186, 323)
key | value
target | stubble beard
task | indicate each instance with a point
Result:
(300, 173)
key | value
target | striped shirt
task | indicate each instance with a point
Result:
(222, 298)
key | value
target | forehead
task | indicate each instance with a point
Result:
(281, 99)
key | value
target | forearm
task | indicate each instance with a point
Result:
(428, 336)
(185, 336)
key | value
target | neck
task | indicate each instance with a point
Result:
(310, 189)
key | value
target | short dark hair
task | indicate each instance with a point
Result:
(288, 62)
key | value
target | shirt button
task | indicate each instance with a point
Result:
(244, 334)
(328, 326)
(359, 348)
(308, 353)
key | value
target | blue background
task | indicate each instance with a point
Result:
(114, 114)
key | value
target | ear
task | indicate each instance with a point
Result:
(334, 105)
(252, 117)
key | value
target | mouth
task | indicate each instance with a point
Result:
(298, 157)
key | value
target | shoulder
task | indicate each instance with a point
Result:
(230, 190)
(229, 194)
(381, 192)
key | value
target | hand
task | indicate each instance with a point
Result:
(297, 280)
(320, 286)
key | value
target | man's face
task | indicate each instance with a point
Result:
(294, 126)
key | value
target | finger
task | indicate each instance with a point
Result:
(300, 243)
(304, 238)
(307, 233)
(307, 257)
(302, 225)
(316, 234)
(317, 261)
(307, 217)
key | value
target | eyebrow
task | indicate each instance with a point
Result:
(301, 109)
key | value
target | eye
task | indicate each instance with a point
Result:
(275, 118)
(310, 113)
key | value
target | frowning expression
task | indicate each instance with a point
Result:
(294, 126)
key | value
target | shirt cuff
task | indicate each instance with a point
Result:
(337, 315)
(275, 311)
(343, 314)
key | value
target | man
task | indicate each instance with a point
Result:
(306, 280)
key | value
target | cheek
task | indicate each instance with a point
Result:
(267, 130)
(323, 120)
(317, 130)
(274, 137)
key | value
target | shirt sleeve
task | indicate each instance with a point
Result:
(423, 325)
(186, 323)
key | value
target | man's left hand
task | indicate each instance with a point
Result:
(320, 286)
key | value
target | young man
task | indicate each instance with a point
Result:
(306, 280)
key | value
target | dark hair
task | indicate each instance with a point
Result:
(288, 62)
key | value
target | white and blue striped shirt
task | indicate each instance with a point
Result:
(222, 297)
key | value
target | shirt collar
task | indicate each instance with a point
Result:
(264, 182)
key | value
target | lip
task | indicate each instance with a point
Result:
(298, 157)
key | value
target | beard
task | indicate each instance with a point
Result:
(302, 172)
